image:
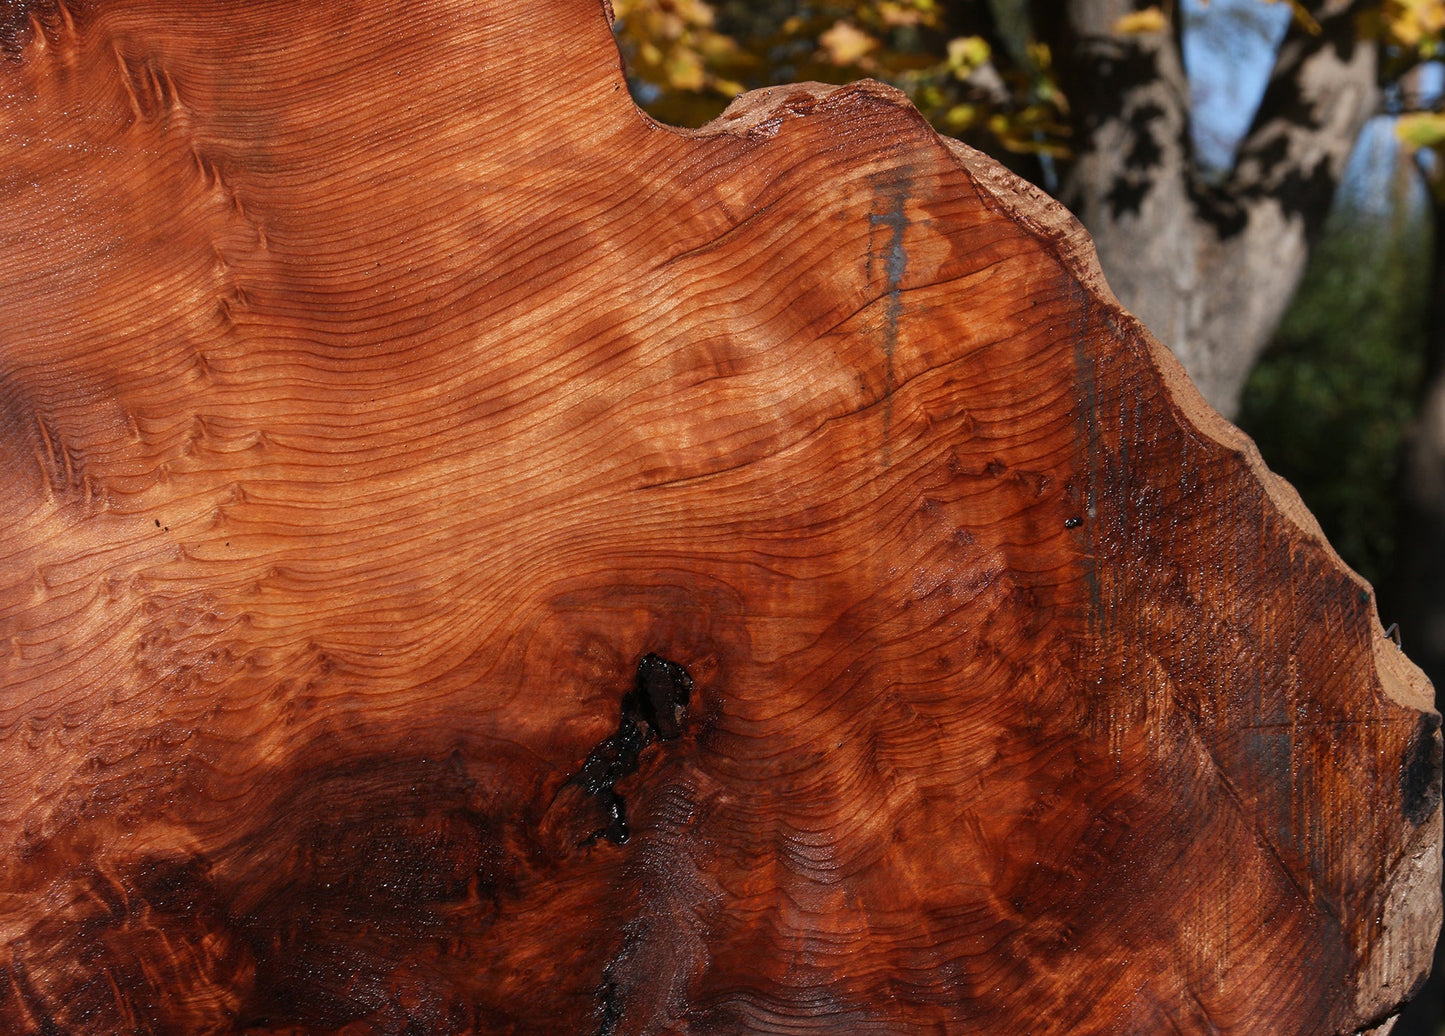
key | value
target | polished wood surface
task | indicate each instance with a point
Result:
(476, 560)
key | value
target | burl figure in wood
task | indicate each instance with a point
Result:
(478, 561)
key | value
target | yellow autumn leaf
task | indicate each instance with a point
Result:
(696, 12)
(908, 12)
(684, 70)
(960, 117)
(1414, 22)
(967, 53)
(846, 44)
(1151, 19)
(1421, 129)
(717, 49)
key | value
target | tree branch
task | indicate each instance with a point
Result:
(1320, 95)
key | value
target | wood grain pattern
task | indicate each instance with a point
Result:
(480, 561)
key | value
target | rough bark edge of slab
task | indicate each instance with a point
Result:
(1066, 238)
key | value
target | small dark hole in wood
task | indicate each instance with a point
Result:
(652, 710)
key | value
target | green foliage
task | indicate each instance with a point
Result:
(1330, 401)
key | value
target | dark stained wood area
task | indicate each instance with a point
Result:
(478, 561)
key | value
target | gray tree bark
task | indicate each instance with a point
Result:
(1209, 267)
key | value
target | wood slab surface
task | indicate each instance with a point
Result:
(475, 560)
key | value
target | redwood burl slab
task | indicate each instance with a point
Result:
(476, 560)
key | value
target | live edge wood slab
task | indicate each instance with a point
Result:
(475, 560)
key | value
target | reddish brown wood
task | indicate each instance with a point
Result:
(380, 388)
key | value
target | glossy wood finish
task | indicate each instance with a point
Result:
(480, 561)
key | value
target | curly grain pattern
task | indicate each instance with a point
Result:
(479, 561)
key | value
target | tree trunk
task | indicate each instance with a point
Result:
(1209, 268)
(481, 561)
